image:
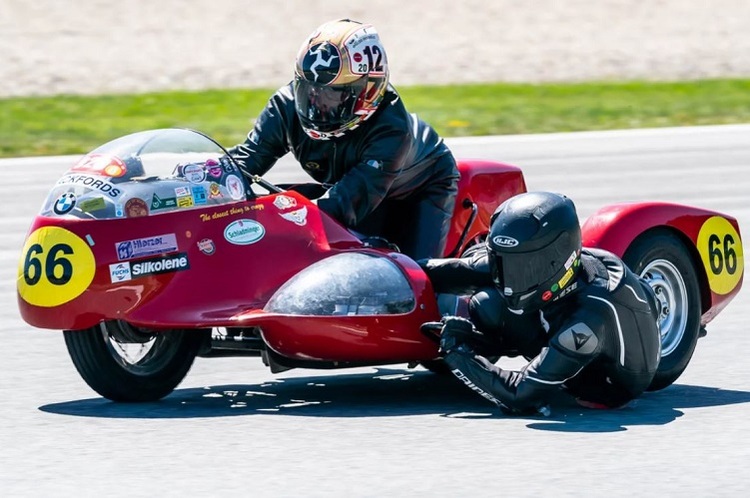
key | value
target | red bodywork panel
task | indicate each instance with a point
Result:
(615, 227)
(378, 338)
(217, 287)
(487, 184)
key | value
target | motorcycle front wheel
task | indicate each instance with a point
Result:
(127, 364)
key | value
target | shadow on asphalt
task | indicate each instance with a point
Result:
(395, 392)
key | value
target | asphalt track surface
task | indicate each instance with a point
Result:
(233, 428)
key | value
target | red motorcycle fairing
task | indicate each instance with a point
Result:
(710, 235)
(486, 184)
(211, 277)
(346, 336)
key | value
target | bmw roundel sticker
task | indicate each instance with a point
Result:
(65, 203)
(504, 241)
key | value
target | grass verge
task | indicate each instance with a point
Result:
(76, 124)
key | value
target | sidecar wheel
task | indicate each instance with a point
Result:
(127, 364)
(664, 261)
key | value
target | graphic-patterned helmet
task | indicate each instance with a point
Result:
(340, 78)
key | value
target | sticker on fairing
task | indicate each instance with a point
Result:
(235, 187)
(244, 232)
(146, 246)
(720, 248)
(298, 217)
(284, 202)
(56, 266)
(194, 173)
(91, 182)
(366, 54)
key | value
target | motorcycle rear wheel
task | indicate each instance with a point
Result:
(126, 364)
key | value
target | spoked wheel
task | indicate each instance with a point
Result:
(663, 260)
(125, 363)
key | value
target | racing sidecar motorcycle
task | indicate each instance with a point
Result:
(154, 249)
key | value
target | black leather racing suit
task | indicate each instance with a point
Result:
(393, 176)
(602, 346)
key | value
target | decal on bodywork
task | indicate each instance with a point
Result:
(128, 270)
(298, 217)
(720, 248)
(146, 246)
(56, 267)
(244, 232)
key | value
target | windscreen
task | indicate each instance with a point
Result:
(147, 173)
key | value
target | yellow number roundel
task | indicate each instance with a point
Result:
(720, 248)
(56, 267)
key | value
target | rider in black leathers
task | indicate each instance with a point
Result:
(392, 174)
(587, 323)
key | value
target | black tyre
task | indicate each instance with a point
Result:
(127, 364)
(664, 261)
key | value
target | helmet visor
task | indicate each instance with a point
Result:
(524, 271)
(326, 108)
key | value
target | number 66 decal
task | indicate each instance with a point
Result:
(56, 266)
(720, 248)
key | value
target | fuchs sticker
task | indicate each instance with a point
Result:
(284, 202)
(235, 188)
(65, 203)
(146, 246)
(163, 264)
(504, 241)
(119, 272)
(298, 217)
(91, 182)
(244, 232)
(207, 246)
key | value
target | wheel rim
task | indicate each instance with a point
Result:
(669, 286)
(143, 355)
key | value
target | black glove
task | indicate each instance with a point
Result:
(457, 333)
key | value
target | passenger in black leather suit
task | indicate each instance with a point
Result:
(392, 175)
(586, 322)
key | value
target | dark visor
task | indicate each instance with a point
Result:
(522, 272)
(326, 108)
